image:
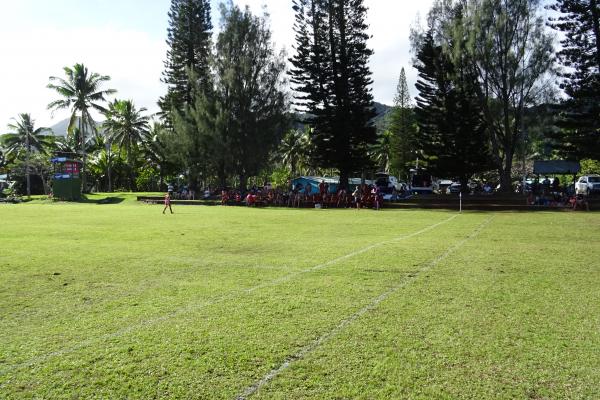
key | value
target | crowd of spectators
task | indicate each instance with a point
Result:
(307, 195)
(550, 193)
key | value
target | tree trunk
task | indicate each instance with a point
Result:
(83, 150)
(596, 28)
(343, 179)
(44, 183)
(131, 177)
(293, 165)
(27, 167)
(131, 168)
(221, 176)
(243, 182)
(464, 184)
(108, 167)
(506, 172)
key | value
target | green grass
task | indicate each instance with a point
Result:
(116, 301)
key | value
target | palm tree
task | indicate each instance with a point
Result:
(103, 163)
(127, 127)
(25, 137)
(381, 150)
(289, 150)
(2, 158)
(80, 92)
(294, 150)
(154, 149)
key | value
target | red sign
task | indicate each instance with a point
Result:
(71, 168)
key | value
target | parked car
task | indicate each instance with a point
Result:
(441, 185)
(454, 188)
(387, 183)
(421, 182)
(588, 184)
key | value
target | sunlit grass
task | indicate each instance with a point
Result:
(120, 301)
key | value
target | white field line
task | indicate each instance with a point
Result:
(218, 299)
(250, 390)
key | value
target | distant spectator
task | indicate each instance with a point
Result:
(581, 202)
(298, 195)
(375, 193)
(487, 189)
(357, 195)
(341, 197)
(556, 185)
(545, 185)
(322, 189)
(224, 197)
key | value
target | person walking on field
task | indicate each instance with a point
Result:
(357, 194)
(167, 203)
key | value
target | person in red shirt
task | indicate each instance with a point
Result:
(224, 197)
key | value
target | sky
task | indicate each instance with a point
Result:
(125, 39)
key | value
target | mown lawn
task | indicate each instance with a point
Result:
(117, 301)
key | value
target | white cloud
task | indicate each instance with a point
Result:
(389, 24)
(132, 59)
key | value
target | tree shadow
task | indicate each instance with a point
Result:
(104, 201)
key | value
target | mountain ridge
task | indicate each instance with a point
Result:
(382, 110)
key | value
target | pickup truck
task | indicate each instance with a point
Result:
(588, 184)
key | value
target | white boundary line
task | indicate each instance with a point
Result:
(209, 302)
(250, 390)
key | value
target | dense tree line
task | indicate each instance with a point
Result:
(485, 93)
(238, 113)
(504, 49)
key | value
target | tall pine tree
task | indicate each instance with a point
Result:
(452, 132)
(189, 41)
(579, 117)
(332, 78)
(402, 127)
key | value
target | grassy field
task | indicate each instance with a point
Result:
(115, 301)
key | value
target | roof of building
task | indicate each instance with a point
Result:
(556, 167)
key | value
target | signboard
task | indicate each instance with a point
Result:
(71, 168)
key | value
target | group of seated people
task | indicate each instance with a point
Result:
(550, 194)
(307, 195)
(551, 199)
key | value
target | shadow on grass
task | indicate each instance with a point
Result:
(106, 200)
